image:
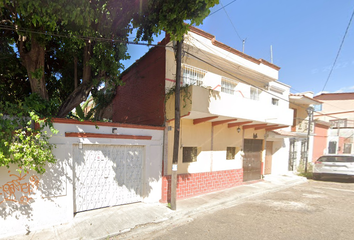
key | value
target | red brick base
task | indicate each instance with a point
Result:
(193, 184)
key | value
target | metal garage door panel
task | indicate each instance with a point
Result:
(107, 175)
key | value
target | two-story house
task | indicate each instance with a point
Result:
(338, 112)
(229, 103)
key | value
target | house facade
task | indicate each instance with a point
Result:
(230, 102)
(337, 114)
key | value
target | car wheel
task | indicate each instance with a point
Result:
(316, 176)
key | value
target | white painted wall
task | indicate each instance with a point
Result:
(280, 158)
(52, 201)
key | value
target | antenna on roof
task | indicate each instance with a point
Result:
(271, 54)
(243, 45)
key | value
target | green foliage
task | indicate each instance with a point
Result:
(170, 16)
(185, 94)
(23, 140)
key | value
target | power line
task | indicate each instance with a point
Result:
(241, 80)
(222, 8)
(231, 22)
(339, 50)
(10, 28)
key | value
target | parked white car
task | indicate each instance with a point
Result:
(334, 165)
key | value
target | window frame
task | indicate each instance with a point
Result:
(255, 93)
(231, 153)
(192, 154)
(228, 85)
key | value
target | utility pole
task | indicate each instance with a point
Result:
(177, 126)
(310, 114)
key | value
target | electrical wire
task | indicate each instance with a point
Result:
(241, 80)
(222, 8)
(102, 39)
(231, 22)
(339, 50)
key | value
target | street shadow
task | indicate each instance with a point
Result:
(336, 179)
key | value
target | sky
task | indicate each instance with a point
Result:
(305, 36)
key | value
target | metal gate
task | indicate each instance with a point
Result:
(292, 155)
(107, 175)
(252, 161)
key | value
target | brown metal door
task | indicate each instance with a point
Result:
(252, 159)
(268, 158)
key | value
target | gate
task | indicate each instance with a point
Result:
(252, 161)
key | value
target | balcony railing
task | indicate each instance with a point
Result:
(302, 125)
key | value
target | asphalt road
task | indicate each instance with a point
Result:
(313, 210)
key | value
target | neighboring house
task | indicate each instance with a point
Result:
(99, 165)
(300, 135)
(338, 114)
(229, 105)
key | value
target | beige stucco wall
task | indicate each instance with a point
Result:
(211, 142)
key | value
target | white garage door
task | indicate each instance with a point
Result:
(107, 175)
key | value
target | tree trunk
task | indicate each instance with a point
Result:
(34, 64)
(80, 93)
(76, 82)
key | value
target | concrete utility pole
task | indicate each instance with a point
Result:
(310, 114)
(177, 126)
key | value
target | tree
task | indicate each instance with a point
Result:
(69, 48)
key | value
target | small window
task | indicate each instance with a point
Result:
(332, 147)
(254, 93)
(275, 101)
(228, 86)
(347, 148)
(190, 154)
(230, 153)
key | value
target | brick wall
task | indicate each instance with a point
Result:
(190, 185)
(141, 99)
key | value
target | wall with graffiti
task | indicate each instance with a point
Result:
(31, 201)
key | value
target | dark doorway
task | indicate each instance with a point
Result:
(252, 161)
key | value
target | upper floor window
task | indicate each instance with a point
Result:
(338, 123)
(228, 86)
(275, 101)
(254, 94)
(193, 75)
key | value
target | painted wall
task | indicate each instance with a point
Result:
(141, 99)
(212, 150)
(280, 158)
(320, 141)
(32, 201)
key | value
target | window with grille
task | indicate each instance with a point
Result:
(254, 93)
(193, 75)
(230, 153)
(347, 148)
(275, 101)
(190, 154)
(338, 123)
(228, 86)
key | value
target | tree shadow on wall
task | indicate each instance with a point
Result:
(23, 194)
(110, 175)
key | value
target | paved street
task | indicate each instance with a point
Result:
(312, 210)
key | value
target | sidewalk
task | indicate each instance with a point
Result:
(101, 223)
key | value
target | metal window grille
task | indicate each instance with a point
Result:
(193, 75)
(228, 85)
(254, 93)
